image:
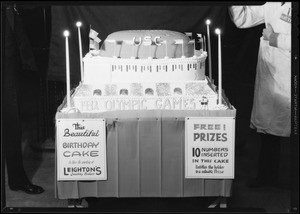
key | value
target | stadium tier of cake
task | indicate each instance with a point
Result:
(145, 83)
(144, 55)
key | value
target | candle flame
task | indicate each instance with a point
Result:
(208, 22)
(66, 33)
(78, 24)
(218, 31)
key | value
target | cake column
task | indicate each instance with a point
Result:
(193, 42)
(166, 46)
(66, 34)
(114, 44)
(218, 32)
(178, 42)
(200, 40)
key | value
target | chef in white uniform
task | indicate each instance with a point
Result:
(271, 111)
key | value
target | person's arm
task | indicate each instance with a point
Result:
(246, 16)
(278, 40)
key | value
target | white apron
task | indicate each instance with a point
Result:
(271, 112)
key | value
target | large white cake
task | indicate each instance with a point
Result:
(145, 70)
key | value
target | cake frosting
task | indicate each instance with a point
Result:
(139, 55)
(145, 38)
(145, 70)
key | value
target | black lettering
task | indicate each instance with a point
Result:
(76, 153)
(85, 153)
(202, 137)
(65, 172)
(66, 154)
(98, 171)
(67, 134)
(94, 153)
(196, 152)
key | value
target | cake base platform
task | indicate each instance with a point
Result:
(145, 157)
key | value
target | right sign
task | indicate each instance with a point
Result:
(209, 147)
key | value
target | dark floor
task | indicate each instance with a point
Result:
(39, 165)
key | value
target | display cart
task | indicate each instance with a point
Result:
(145, 157)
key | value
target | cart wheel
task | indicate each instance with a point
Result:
(75, 203)
(221, 201)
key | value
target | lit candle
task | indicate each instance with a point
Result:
(209, 50)
(78, 24)
(66, 34)
(218, 32)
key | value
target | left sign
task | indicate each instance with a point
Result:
(81, 149)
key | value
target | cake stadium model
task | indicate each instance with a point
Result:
(145, 70)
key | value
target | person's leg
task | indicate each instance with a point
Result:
(12, 130)
(272, 144)
(10, 112)
(268, 161)
(262, 160)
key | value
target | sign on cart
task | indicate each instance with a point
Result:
(81, 149)
(209, 147)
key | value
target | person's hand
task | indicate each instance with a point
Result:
(267, 32)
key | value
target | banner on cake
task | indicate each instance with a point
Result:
(209, 147)
(94, 40)
(81, 149)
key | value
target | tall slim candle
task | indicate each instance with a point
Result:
(209, 50)
(78, 24)
(66, 34)
(218, 32)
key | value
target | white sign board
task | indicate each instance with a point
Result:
(209, 147)
(81, 149)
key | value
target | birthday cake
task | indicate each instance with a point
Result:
(138, 90)
(145, 70)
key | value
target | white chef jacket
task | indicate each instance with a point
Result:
(271, 112)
